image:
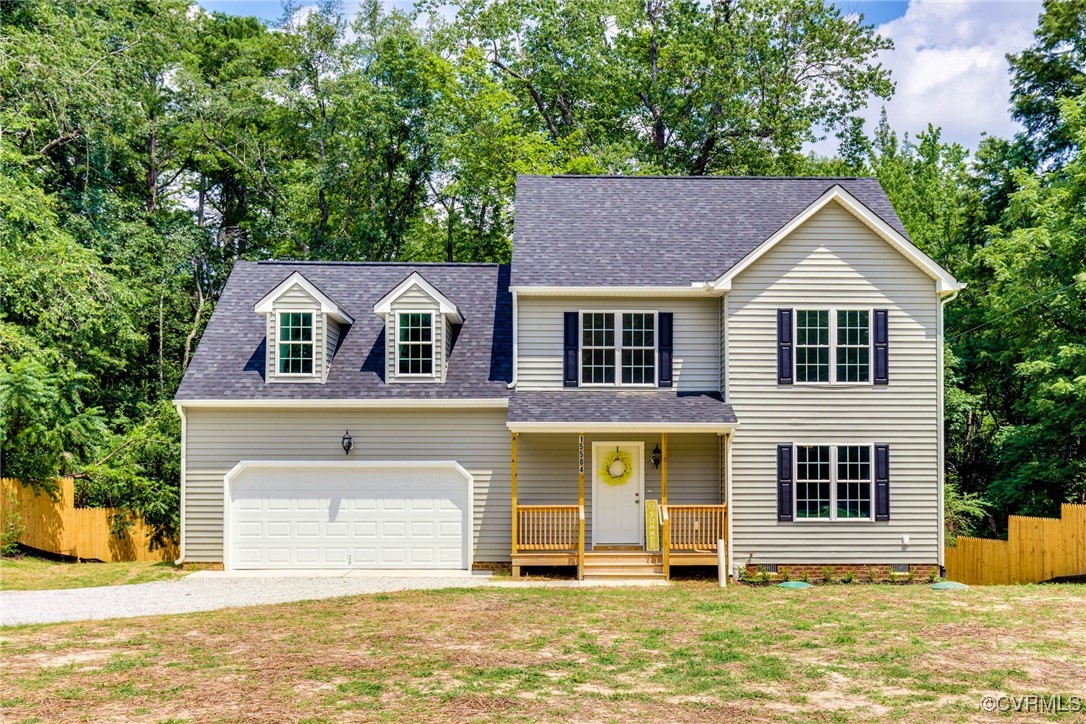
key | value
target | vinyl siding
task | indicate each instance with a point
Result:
(547, 469)
(833, 259)
(414, 300)
(216, 440)
(331, 342)
(295, 299)
(540, 337)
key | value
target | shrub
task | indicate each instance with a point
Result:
(13, 528)
(827, 575)
(848, 577)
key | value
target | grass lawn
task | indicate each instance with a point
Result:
(691, 651)
(29, 573)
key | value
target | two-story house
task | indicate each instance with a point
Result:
(667, 365)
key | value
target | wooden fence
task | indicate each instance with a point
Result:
(1036, 549)
(57, 526)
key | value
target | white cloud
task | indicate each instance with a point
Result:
(949, 64)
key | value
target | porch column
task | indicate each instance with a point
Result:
(663, 468)
(513, 445)
(580, 504)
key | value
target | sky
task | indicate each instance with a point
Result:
(948, 62)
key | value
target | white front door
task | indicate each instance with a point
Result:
(618, 487)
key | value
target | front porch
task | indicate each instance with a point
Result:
(686, 530)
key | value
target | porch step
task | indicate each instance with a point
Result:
(612, 565)
(623, 557)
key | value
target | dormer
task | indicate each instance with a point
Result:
(420, 325)
(303, 329)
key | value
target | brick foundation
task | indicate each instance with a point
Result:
(494, 566)
(861, 572)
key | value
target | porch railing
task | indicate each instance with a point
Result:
(696, 527)
(548, 527)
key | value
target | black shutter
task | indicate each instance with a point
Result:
(569, 358)
(667, 320)
(882, 482)
(784, 347)
(784, 482)
(882, 348)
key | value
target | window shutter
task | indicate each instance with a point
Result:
(784, 347)
(882, 352)
(667, 323)
(784, 482)
(882, 482)
(569, 357)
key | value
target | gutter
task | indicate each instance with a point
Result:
(941, 425)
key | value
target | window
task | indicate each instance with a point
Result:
(415, 348)
(833, 345)
(853, 345)
(833, 482)
(638, 349)
(632, 350)
(296, 343)
(598, 349)
(813, 481)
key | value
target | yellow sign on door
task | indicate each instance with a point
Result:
(652, 525)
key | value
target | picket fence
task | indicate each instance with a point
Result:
(57, 526)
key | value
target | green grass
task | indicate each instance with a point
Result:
(690, 651)
(30, 573)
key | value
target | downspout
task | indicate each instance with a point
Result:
(516, 350)
(184, 453)
(942, 425)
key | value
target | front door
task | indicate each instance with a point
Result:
(618, 487)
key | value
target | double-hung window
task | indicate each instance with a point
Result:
(618, 348)
(833, 482)
(833, 345)
(415, 344)
(295, 343)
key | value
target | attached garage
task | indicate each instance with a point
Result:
(379, 515)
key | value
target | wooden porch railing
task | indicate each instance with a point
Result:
(696, 527)
(548, 527)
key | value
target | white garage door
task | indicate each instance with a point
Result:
(362, 515)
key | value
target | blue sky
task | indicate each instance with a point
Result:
(948, 60)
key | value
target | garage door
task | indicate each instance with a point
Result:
(361, 515)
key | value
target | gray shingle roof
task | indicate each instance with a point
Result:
(657, 231)
(619, 406)
(229, 363)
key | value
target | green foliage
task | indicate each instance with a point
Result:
(11, 529)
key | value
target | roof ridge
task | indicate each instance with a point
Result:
(657, 177)
(294, 262)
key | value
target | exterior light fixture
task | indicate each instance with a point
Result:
(657, 456)
(347, 442)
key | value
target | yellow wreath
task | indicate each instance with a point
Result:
(616, 456)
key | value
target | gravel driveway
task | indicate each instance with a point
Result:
(206, 591)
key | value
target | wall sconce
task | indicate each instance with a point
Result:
(347, 443)
(657, 456)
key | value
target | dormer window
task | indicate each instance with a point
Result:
(296, 343)
(304, 326)
(415, 349)
(421, 325)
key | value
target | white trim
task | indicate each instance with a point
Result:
(499, 403)
(719, 428)
(329, 307)
(618, 347)
(833, 446)
(184, 465)
(243, 465)
(833, 345)
(312, 343)
(445, 305)
(640, 490)
(728, 501)
(694, 290)
(416, 376)
(945, 282)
